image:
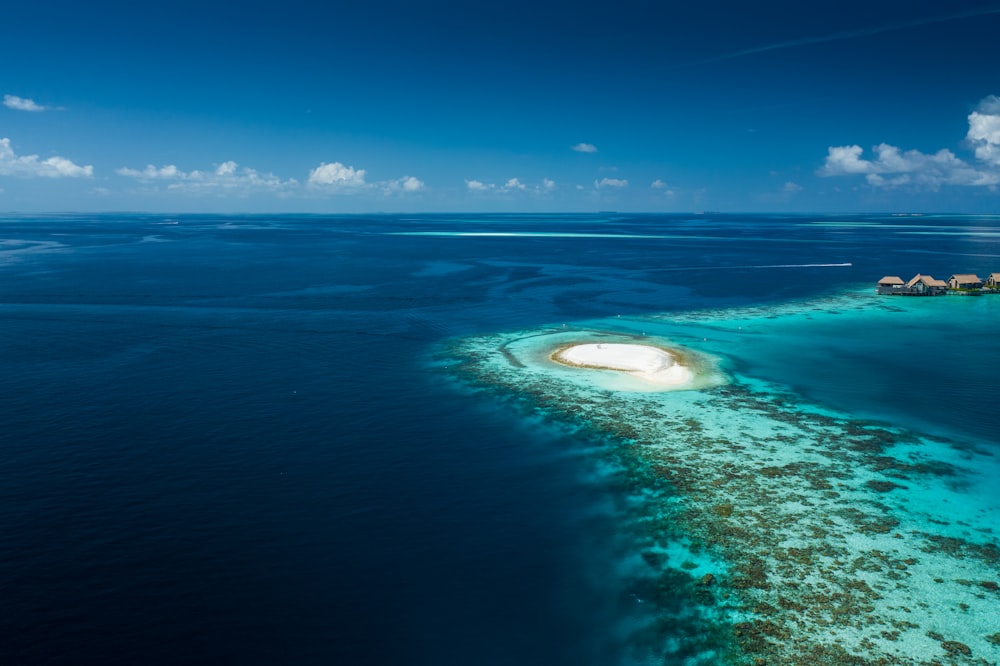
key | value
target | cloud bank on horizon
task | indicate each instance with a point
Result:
(510, 186)
(895, 168)
(336, 178)
(228, 177)
(27, 166)
(889, 167)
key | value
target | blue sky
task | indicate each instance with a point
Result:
(516, 106)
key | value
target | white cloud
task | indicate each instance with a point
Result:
(984, 130)
(226, 169)
(21, 103)
(659, 184)
(230, 178)
(893, 167)
(610, 182)
(405, 185)
(843, 160)
(57, 167)
(477, 186)
(585, 148)
(167, 172)
(31, 165)
(791, 187)
(227, 178)
(411, 184)
(335, 176)
(511, 186)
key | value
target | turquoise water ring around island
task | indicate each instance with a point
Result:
(609, 360)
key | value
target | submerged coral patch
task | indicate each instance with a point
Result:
(810, 536)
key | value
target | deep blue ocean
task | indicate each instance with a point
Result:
(223, 440)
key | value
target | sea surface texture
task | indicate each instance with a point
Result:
(335, 439)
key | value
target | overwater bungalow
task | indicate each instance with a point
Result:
(967, 284)
(890, 284)
(925, 285)
(965, 281)
(919, 285)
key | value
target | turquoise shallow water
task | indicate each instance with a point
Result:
(805, 504)
(925, 362)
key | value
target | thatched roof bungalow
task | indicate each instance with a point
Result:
(891, 281)
(925, 285)
(890, 284)
(940, 285)
(965, 281)
(993, 280)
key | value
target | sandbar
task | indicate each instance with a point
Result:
(649, 363)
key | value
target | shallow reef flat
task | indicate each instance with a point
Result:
(793, 533)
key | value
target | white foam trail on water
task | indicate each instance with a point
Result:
(566, 234)
(717, 268)
(840, 265)
(525, 234)
(918, 229)
(951, 254)
(954, 232)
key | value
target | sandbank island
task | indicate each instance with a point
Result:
(646, 362)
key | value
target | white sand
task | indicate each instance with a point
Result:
(651, 364)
